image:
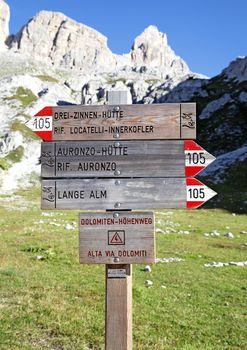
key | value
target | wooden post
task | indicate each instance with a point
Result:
(118, 307)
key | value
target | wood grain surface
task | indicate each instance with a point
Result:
(125, 122)
(139, 193)
(119, 310)
(84, 159)
(116, 237)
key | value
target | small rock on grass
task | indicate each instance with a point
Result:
(69, 227)
(181, 232)
(158, 230)
(40, 257)
(221, 264)
(216, 264)
(229, 235)
(147, 268)
(39, 222)
(148, 283)
(168, 260)
(238, 263)
(55, 224)
(214, 233)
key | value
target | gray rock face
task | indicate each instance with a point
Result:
(55, 38)
(4, 23)
(151, 49)
(64, 42)
(237, 69)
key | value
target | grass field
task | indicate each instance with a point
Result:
(56, 303)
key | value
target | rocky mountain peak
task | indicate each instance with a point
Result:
(52, 36)
(151, 49)
(149, 37)
(57, 39)
(4, 23)
(237, 69)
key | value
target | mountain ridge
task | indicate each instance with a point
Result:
(61, 41)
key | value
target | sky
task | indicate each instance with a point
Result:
(207, 34)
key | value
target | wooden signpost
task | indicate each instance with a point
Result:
(85, 159)
(136, 193)
(118, 158)
(124, 122)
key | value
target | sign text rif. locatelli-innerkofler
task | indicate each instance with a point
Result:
(124, 122)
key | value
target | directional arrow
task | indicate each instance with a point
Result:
(196, 158)
(154, 158)
(41, 123)
(135, 193)
(197, 193)
(165, 121)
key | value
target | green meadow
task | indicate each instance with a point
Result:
(49, 301)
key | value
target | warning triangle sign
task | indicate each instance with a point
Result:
(116, 239)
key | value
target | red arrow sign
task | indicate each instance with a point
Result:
(165, 121)
(196, 158)
(136, 193)
(41, 123)
(197, 193)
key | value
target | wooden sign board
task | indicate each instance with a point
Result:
(83, 159)
(136, 193)
(123, 122)
(116, 238)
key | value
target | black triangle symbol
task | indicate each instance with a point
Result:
(116, 239)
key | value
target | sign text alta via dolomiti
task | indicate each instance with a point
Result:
(125, 236)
